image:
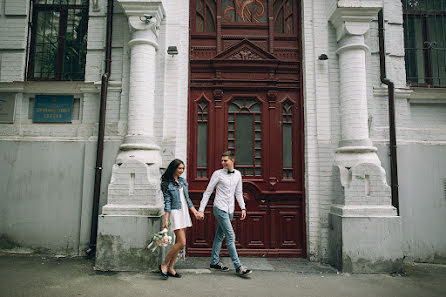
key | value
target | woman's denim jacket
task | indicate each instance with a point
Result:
(171, 195)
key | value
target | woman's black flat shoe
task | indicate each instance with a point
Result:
(174, 275)
(163, 275)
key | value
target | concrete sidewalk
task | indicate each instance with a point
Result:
(294, 265)
(34, 275)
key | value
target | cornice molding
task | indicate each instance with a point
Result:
(400, 93)
(136, 9)
(353, 19)
(50, 87)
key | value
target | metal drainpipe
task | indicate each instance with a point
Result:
(90, 252)
(392, 133)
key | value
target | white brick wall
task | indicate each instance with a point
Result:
(12, 65)
(96, 32)
(160, 78)
(176, 81)
(13, 33)
(16, 7)
(94, 65)
(318, 127)
(420, 118)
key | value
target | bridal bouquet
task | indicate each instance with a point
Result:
(160, 239)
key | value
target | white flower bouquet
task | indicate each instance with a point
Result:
(160, 239)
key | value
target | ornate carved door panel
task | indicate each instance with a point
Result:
(245, 95)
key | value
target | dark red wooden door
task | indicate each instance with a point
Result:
(245, 96)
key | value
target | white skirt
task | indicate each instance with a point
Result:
(180, 218)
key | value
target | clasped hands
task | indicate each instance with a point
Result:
(199, 215)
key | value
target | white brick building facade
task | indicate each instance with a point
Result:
(47, 170)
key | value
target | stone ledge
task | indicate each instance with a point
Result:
(131, 210)
(363, 210)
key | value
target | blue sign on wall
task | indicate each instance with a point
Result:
(52, 109)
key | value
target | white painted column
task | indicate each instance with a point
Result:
(134, 186)
(355, 146)
(353, 92)
(139, 142)
(135, 205)
(143, 48)
(365, 232)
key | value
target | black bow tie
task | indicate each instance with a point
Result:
(229, 172)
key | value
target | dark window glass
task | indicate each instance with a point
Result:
(425, 42)
(205, 18)
(59, 40)
(244, 146)
(287, 140)
(283, 16)
(245, 135)
(202, 139)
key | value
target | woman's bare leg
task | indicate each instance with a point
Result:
(180, 237)
(180, 242)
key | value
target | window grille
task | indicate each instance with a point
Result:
(252, 13)
(425, 42)
(245, 135)
(58, 40)
(287, 140)
(245, 11)
(202, 138)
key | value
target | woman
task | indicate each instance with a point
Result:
(176, 205)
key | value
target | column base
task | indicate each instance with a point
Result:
(364, 230)
(141, 148)
(122, 243)
(365, 244)
(134, 189)
(349, 156)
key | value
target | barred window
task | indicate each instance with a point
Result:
(425, 42)
(245, 135)
(202, 138)
(287, 140)
(58, 40)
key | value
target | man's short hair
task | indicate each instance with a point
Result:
(228, 154)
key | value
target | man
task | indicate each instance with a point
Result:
(228, 182)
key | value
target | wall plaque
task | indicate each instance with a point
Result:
(52, 109)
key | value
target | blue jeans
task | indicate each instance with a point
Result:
(224, 229)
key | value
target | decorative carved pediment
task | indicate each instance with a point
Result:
(245, 54)
(245, 50)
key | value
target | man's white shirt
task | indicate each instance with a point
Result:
(228, 185)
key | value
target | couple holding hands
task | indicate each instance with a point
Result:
(228, 184)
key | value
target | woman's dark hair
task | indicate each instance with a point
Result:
(168, 174)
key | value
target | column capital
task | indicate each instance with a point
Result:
(353, 17)
(136, 10)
